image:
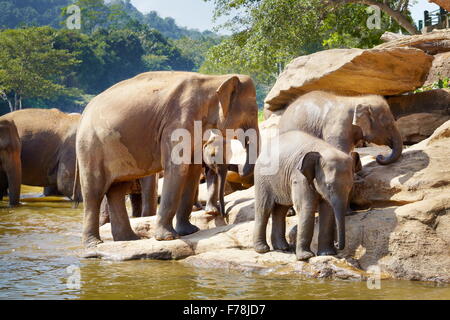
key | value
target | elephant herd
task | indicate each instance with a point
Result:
(125, 137)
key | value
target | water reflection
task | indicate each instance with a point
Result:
(40, 240)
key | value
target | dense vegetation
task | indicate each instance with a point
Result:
(68, 67)
(116, 42)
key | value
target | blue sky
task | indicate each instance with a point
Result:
(197, 14)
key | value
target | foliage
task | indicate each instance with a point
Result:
(15, 13)
(116, 42)
(196, 49)
(30, 65)
(440, 84)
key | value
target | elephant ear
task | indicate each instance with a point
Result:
(363, 117)
(226, 93)
(308, 164)
(357, 165)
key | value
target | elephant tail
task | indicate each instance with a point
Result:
(76, 193)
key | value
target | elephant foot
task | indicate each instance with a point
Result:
(127, 236)
(91, 241)
(163, 233)
(14, 205)
(327, 252)
(304, 255)
(261, 247)
(212, 210)
(280, 244)
(186, 228)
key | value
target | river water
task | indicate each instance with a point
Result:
(40, 243)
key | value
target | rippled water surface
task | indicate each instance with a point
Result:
(40, 242)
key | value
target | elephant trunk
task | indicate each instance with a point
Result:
(339, 215)
(396, 144)
(14, 175)
(252, 151)
(222, 176)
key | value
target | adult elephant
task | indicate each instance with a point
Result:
(10, 166)
(48, 148)
(126, 133)
(343, 121)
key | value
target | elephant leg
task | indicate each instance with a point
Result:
(263, 208)
(104, 212)
(51, 191)
(183, 225)
(149, 186)
(212, 185)
(197, 205)
(12, 166)
(327, 227)
(278, 236)
(3, 184)
(14, 183)
(136, 205)
(223, 170)
(175, 177)
(305, 205)
(120, 223)
(93, 191)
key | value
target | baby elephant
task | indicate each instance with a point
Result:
(312, 176)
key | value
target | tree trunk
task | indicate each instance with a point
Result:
(396, 15)
(5, 98)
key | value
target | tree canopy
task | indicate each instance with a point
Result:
(267, 34)
(30, 66)
(115, 42)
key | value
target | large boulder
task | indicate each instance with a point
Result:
(432, 101)
(432, 43)
(389, 71)
(419, 126)
(440, 68)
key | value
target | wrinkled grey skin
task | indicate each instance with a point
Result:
(312, 176)
(10, 164)
(126, 134)
(343, 121)
(48, 149)
(216, 172)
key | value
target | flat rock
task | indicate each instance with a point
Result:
(388, 71)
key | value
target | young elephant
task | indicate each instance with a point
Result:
(10, 165)
(312, 176)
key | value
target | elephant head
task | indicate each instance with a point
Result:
(11, 165)
(331, 174)
(374, 117)
(238, 111)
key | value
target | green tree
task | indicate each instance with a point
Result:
(267, 34)
(30, 66)
(196, 49)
